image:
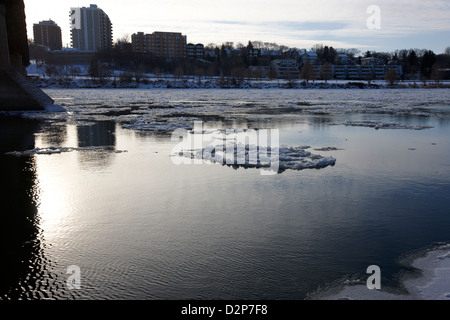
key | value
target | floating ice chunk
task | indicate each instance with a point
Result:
(383, 125)
(157, 126)
(182, 119)
(345, 298)
(80, 123)
(251, 156)
(327, 149)
(58, 150)
(49, 150)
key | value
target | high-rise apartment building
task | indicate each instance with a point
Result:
(48, 33)
(91, 28)
(160, 44)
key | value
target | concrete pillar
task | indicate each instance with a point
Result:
(5, 63)
(16, 91)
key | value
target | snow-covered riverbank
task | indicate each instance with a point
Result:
(226, 83)
(151, 81)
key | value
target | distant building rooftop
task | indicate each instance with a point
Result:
(310, 53)
(48, 23)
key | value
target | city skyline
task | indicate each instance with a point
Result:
(301, 24)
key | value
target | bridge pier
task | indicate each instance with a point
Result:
(5, 63)
(16, 91)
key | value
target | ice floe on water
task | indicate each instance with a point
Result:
(58, 150)
(327, 149)
(293, 158)
(251, 148)
(376, 124)
(157, 126)
(426, 277)
(152, 110)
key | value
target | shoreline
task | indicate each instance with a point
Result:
(231, 83)
(424, 275)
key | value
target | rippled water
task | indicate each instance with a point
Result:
(138, 226)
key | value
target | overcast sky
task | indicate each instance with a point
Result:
(403, 24)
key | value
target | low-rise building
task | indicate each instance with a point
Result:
(339, 72)
(364, 72)
(285, 68)
(397, 68)
(353, 72)
(342, 58)
(195, 51)
(309, 57)
(371, 61)
(260, 71)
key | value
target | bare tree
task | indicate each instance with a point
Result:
(74, 71)
(352, 53)
(447, 51)
(437, 73)
(308, 72)
(139, 73)
(62, 73)
(391, 77)
(199, 72)
(50, 70)
(125, 37)
(370, 76)
(272, 74)
(157, 72)
(229, 45)
(325, 72)
(179, 73)
(126, 77)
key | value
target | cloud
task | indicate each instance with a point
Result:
(289, 22)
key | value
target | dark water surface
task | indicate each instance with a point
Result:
(140, 227)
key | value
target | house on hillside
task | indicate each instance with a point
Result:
(309, 57)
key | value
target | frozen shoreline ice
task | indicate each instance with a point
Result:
(429, 281)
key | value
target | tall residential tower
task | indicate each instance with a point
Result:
(91, 28)
(48, 33)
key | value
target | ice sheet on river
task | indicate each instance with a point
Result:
(58, 150)
(157, 126)
(376, 124)
(153, 110)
